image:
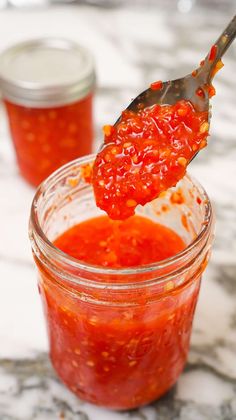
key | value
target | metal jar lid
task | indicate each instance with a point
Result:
(46, 72)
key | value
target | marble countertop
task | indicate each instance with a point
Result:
(132, 47)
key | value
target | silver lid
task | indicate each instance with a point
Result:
(46, 72)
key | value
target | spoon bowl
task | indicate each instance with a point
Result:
(187, 87)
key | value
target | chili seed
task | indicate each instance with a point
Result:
(133, 363)
(204, 127)
(182, 161)
(131, 203)
(90, 363)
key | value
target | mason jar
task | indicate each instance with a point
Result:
(47, 87)
(118, 338)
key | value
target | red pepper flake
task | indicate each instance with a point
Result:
(164, 208)
(217, 67)
(177, 197)
(211, 91)
(90, 363)
(198, 200)
(114, 150)
(73, 182)
(202, 144)
(204, 127)
(131, 203)
(133, 363)
(86, 172)
(184, 222)
(194, 73)
(213, 52)
(156, 85)
(107, 129)
(182, 161)
(127, 144)
(202, 63)
(182, 111)
(200, 92)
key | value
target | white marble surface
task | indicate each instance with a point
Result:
(132, 47)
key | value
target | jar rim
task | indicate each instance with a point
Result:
(35, 228)
(70, 74)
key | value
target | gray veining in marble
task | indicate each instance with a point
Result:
(31, 388)
(132, 47)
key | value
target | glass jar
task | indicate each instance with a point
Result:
(47, 87)
(118, 337)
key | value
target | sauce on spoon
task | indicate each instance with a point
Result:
(145, 154)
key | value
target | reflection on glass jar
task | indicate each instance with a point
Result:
(48, 88)
(119, 337)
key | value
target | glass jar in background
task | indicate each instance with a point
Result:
(118, 337)
(47, 86)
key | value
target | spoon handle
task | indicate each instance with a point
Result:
(221, 46)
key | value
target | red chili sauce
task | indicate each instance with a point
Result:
(108, 243)
(47, 138)
(146, 153)
(112, 355)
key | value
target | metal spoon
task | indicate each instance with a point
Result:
(186, 87)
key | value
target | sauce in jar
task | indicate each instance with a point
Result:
(48, 88)
(119, 296)
(120, 359)
(107, 243)
(46, 139)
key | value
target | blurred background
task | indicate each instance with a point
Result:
(133, 42)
